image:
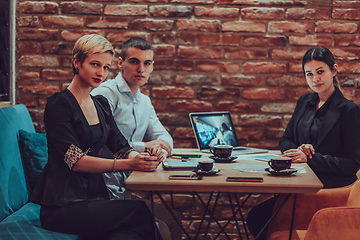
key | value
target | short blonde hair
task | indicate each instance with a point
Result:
(88, 45)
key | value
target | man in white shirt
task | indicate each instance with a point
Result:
(132, 110)
(135, 116)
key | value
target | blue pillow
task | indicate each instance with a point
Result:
(34, 153)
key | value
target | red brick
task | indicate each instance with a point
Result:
(249, 134)
(57, 74)
(186, 38)
(216, 12)
(28, 21)
(190, 106)
(265, 41)
(294, 94)
(199, 25)
(29, 100)
(217, 93)
(164, 50)
(123, 36)
(287, 107)
(288, 53)
(289, 26)
(199, 52)
(257, 120)
(36, 34)
(62, 21)
(241, 80)
(349, 93)
(349, 14)
(126, 10)
(172, 92)
(219, 66)
(160, 105)
(106, 22)
(79, 7)
(152, 24)
(38, 88)
(73, 35)
(174, 119)
(38, 61)
(263, 93)
(148, 1)
(295, 67)
(348, 67)
(237, 106)
(193, 1)
(164, 38)
(287, 81)
(307, 13)
(346, 3)
(335, 27)
(192, 79)
(347, 54)
(275, 133)
(57, 47)
(264, 67)
(244, 26)
(171, 64)
(161, 78)
(310, 40)
(262, 13)
(233, 53)
(25, 75)
(347, 40)
(28, 47)
(37, 7)
(182, 132)
(170, 11)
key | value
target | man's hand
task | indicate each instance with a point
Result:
(155, 147)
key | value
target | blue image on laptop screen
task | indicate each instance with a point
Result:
(206, 133)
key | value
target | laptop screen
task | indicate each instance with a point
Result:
(213, 128)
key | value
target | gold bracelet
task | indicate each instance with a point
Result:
(114, 168)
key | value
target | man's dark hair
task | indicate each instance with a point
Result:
(135, 42)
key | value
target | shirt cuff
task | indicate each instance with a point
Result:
(73, 154)
(138, 146)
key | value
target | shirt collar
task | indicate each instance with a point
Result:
(123, 87)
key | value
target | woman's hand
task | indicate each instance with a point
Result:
(144, 162)
(297, 156)
(157, 152)
(308, 149)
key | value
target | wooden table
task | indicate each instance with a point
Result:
(158, 181)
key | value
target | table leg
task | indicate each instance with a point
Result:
(153, 211)
(292, 216)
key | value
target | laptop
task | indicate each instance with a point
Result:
(216, 128)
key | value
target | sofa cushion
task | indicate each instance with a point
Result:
(13, 187)
(34, 154)
(25, 224)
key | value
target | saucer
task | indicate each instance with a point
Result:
(223, 160)
(285, 172)
(212, 172)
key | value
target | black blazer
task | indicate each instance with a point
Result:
(337, 153)
(66, 125)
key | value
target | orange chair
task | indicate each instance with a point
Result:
(330, 214)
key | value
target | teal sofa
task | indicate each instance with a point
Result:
(19, 219)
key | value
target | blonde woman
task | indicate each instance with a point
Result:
(71, 190)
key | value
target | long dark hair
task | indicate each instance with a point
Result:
(321, 54)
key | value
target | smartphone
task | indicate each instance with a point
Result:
(186, 177)
(185, 156)
(244, 179)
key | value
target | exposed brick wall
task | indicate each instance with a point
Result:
(211, 55)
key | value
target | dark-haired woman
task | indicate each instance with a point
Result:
(324, 132)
